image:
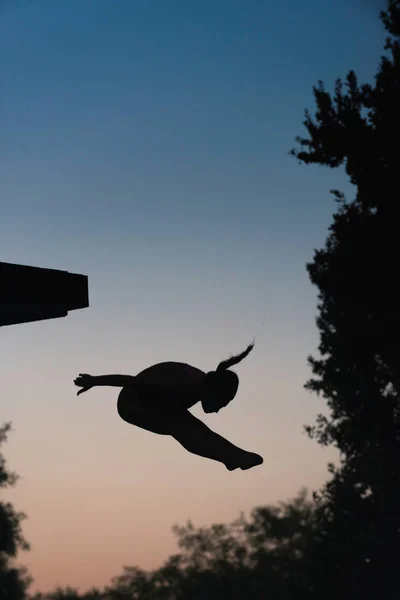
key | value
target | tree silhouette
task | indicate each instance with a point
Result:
(263, 555)
(248, 558)
(70, 593)
(13, 580)
(358, 371)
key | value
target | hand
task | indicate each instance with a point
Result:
(84, 381)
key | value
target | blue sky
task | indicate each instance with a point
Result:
(145, 144)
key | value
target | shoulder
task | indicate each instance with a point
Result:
(173, 372)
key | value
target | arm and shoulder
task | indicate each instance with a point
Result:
(175, 382)
(184, 384)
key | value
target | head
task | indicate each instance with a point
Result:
(222, 384)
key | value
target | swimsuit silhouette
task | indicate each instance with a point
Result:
(158, 399)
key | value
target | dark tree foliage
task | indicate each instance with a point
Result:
(263, 556)
(358, 371)
(244, 559)
(70, 593)
(13, 581)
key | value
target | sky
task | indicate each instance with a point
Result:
(145, 145)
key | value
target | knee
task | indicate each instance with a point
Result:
(126, 404)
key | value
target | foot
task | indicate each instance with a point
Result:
(246, 461)
(251, 460)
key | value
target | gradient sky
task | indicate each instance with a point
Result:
(145, 144)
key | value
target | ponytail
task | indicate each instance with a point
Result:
(234, 360)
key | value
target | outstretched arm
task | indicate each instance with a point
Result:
(114, 380)
(86, 381)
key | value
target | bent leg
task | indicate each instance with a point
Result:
(135, 411)
(196, 437)
(189, 431)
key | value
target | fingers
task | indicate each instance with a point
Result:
(82, 390)
(81, 378)
(83, 382)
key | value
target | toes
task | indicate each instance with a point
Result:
(251, 461)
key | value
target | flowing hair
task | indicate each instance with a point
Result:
(234, 360)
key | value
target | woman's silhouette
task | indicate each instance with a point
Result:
(158, 399)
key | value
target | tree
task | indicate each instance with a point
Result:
(13, 580)
(70, 593)
(358, 371)
(263, 555)
(249, 558)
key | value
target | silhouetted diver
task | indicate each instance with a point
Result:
(158, 399)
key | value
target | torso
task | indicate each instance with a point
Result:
(182, 383)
